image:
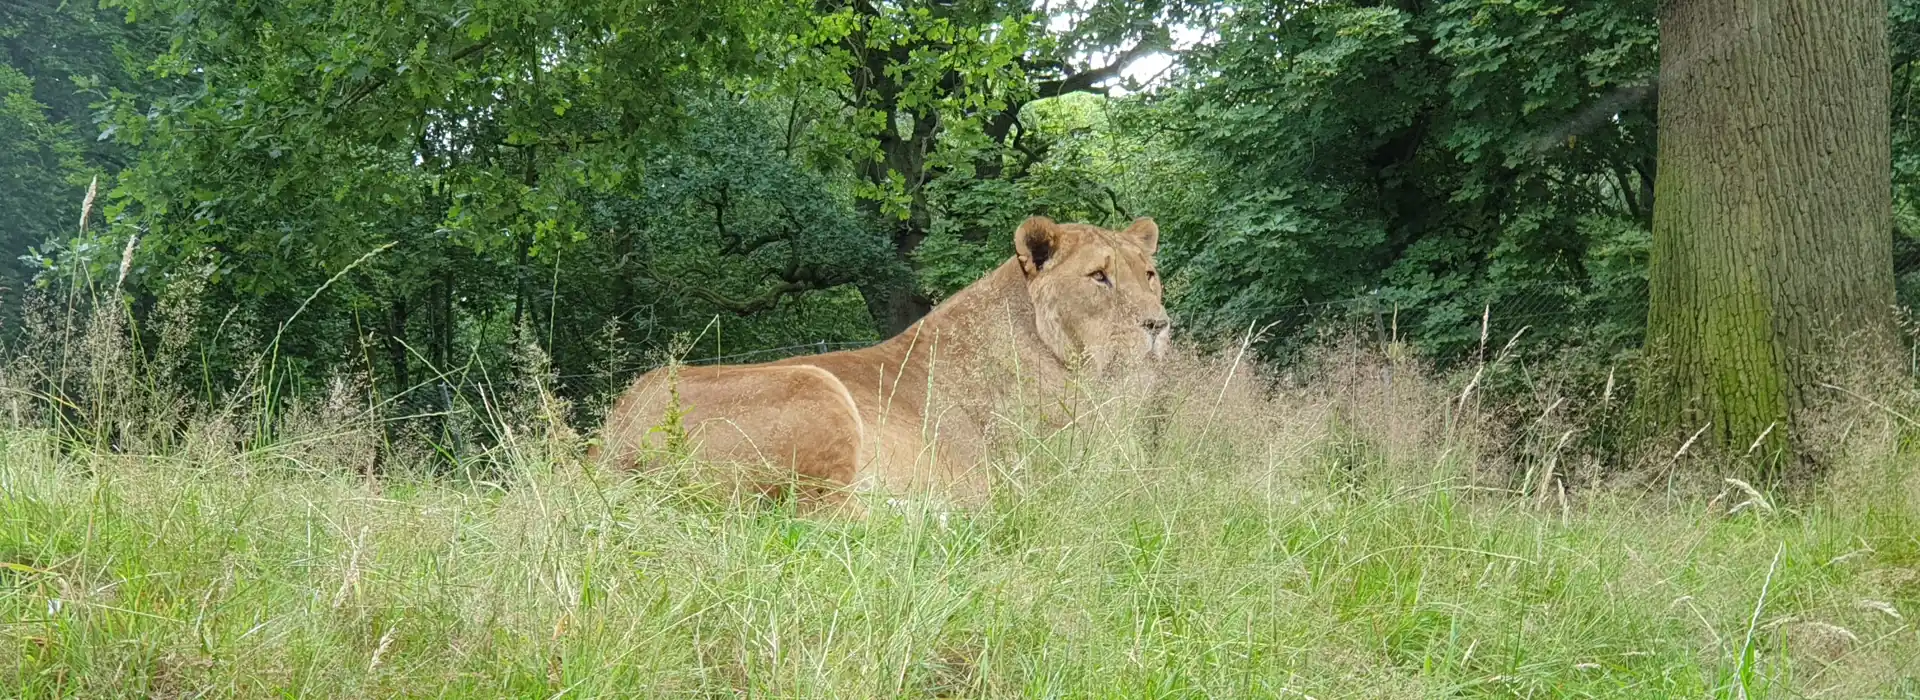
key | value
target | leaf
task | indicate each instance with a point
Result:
(23, 568)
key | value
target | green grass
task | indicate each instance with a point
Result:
(1100, 571)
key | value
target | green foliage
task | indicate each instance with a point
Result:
(589, 176)
(934, 99)
(1061, 166)
(595, 176)
(733, 238)
(279, 144)
(37, 157)
(1904, 30)
(729, 187)
(56, 58)
(1447, 154)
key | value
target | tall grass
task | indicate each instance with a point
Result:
(1362, 528)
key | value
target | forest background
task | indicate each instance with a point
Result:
(415, 194)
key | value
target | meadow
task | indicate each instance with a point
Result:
(1362, 527)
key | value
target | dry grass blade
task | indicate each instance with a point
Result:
(1757, 442)
(1849, 556)
(1486, 321)
(86, 205)
(273, 346)
(1754, 499)
(351, 579)
(1882, 607)
(1506, 351)
(1234, 368)
(1474, 383)
(1547, 476)
(126, 261)
(1870, 402)
(386, 639)
(1753, 623)
(1682, 452)
(304, 303)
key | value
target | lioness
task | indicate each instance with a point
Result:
(915, 412)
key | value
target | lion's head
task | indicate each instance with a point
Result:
(1096, 293)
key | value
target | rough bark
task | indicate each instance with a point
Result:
(1772, 215)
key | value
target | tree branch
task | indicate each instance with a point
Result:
(749, 306)
(1084, 81)
(367, 89)
(1114, 198)
(730, 242)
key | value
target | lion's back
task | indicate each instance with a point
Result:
(795, 416)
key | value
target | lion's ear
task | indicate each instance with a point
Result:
(1146, 232)
(1036, 242)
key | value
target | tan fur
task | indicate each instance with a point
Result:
(916, 412)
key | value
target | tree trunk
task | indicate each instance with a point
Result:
(896, 302)
(444, 353)
(530, 176)
(1772, 215)
(895, 307)
(524, 244)
(397, 344)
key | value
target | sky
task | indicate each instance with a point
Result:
(1148, 70)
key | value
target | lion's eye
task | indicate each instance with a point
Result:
(1153, 275)
(1101, 277)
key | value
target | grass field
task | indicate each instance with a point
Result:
(1311, 546)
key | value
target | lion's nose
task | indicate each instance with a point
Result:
(1155, 325)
